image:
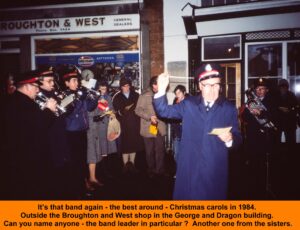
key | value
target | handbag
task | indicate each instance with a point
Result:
(114, 128)
(153, 129)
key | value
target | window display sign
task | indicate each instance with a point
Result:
(103, 67)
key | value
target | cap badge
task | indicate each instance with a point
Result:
(208, 68)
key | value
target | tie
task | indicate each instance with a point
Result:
(207, 107)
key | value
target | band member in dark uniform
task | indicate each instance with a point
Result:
(77, 126)
(260, 137)
(25, 130)
(202, 169)
(57, 146)
(7, 89)
(288, 110)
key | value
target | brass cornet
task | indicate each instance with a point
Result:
(41, 100)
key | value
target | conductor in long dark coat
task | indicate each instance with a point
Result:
(124, 103)
(202, 167)
(25, 134)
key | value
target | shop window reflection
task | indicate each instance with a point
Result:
(265, 60)
(293, 68)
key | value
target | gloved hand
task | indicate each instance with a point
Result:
(163, 82)
(98, 118)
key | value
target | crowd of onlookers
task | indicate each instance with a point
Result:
(49, 154)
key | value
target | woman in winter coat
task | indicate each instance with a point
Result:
(98, 144)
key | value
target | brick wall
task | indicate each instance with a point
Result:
(152, 15)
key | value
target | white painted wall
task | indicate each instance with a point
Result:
(175, 40)
(248, 24)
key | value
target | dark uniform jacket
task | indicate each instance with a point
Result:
(78, 120)
(25, 131)
(288, 121)
(202, 168)
(57, 138)
(259, 140)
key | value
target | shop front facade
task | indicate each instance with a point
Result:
(105, 40)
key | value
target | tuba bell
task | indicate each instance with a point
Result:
(253, 102)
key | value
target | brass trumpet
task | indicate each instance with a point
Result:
(87, 86)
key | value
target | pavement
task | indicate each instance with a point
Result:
(282, 170)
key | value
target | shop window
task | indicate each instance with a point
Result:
(274, 61)
(265, 60)
(87, 44)
(106, 57)
(293, 67)
(221, 48)
(10, 45)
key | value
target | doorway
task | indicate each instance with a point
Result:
(231, 83)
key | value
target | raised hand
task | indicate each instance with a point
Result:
(163, 82)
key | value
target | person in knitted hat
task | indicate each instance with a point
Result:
(209, 129)
(131, 142)
(124, 81)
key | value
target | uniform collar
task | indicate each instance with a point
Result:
(209, 103)
(220, 100)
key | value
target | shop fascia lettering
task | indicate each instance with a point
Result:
(74, 24)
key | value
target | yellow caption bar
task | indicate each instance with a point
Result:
(219, 215)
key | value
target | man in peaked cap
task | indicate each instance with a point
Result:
(27, 84)
(260, 140)
(56, 140)
(77, 124)
(46, 79)
(202, 166)
(261, 82)
(26, 127)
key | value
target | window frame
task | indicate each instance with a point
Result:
(222, 59)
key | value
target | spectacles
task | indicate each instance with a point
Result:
(36, 85)
(209, 86)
